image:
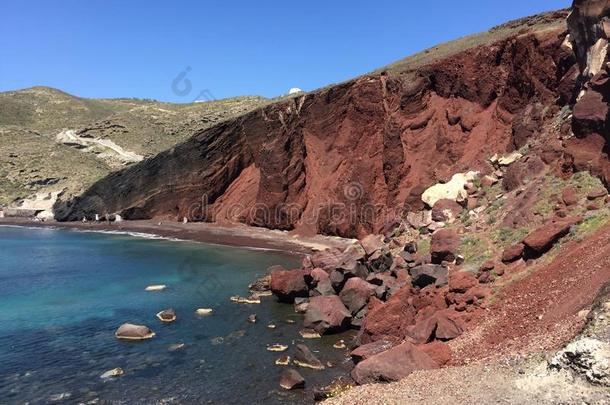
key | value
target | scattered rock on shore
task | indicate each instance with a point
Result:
(291, 379)
(327, 314)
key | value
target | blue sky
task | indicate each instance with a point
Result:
(138, 48)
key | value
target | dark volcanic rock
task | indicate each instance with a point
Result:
(327, 315)
(291, 379)
(443, 246)
(427, 274)
(392, 365)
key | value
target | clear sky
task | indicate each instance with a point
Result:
(133, 48)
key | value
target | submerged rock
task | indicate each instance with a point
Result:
(156, 287)
(128, 331)
(291, 379)
(309, 334)
(303, 357)
(204, 311)
(175, 347)
(115, 372)
(282, 361)
(277, 348)
(252, 318)
(167, 315)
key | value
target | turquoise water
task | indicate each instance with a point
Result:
(64, 293)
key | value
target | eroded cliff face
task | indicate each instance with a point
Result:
(589, 27)
(347, 159)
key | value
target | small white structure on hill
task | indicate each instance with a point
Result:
(294, 90)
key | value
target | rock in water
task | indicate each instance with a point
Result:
(305, 358)
(392, 365)
(287, 285)
(156, 287)
(204, 311)
(327, 314)
(128, 331)
(115, 372)
(291, 379)
(370, 349)
(167, 315)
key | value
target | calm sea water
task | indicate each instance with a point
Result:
(64, 293)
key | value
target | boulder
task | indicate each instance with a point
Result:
(442, 325)
(301, 305)
(428, 274)
(440, 352)
(327, 314)
(444, 245)
(392, 365)
(420, 219)
(287, 285)
(167, 315)
(128, 331)
(597, 193)
(303, 357)
(388, 320)
(452, 190)
(337, 279)
(370, 349)
(328, 259)
(513, 253)
(291, 379)
(446, 211)
(543, 238)
(411, 247)
(356, 294)
(569, 196)
(462, 281)
(320, 283)
(488, 181)
(372, 243)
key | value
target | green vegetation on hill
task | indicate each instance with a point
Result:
(33, 160)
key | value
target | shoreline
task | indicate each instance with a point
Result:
(236, 236)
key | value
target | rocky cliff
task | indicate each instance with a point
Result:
(347, 159)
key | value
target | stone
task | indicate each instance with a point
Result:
(440, 352)
(441, 325)
(327, 314)
(420, 219)
(569, 196)
(301, 305)
(392, 365)
(320, 283)
(372, 243)
(252, 318)
(291, 379)
(277, 348)
(115, 372)
(444, 245)
(369, 350)
(303, 357)
(462, 281)
(328, 259)
(155, 287)
(446, 211)
(452, 190)
(128, 331)
(282, 361)
(204, 311)
(509, 159)
(411, 247)
(513, 253)
(175, 347)
(428, 274)
(356, 294)
(309, 334)
(487, 265)
(337, 279)
(543, 238)
(167, 315)
(587, 357)
(488, 181)
(598, 193)
(287, 285)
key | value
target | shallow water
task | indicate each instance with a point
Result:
(64, 293)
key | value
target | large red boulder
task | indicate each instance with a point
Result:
(389, 320)
(327, 314)
(513, 253)
(328, 259)
(370, 349)
(543, 238)
(569, 196)
(287, 285)
(392, 365)
(444, 245)
(462, 281)
(356, 294)
(372, 243)
(320, 283)
(440, 352)
(443, 325)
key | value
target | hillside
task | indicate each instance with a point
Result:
(99, 136)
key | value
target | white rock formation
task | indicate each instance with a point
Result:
(452, 190)
(588, 357)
